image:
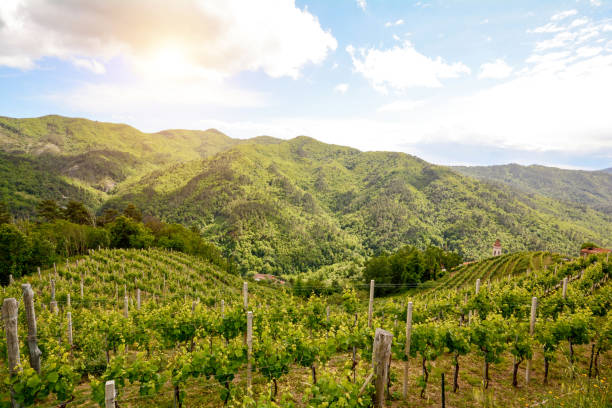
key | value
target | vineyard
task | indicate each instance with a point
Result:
(136, 328)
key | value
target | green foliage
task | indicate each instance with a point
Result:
(408, 266)
(127, 233)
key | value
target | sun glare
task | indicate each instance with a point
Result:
(168, 62)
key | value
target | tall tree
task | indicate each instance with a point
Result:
(131, 211)
(5, 215)
(77, 213)
(48, 210)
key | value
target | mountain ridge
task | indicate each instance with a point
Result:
(286, 206)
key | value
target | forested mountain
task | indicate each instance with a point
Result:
(287, 206)
(590, 188)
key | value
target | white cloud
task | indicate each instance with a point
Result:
(396, 37)
(596, 3)
(401, 106)
(362, 4)
(89, 64)
(578, 22)
(396, 23)
(215, 37)
(403, 67)
(497, 69)
(341, 88)
(564, 14)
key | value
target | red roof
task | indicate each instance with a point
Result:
(589, 251)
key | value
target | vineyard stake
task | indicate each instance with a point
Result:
(69, 317)
(53, 307)
(407, 347)
(81, 288)
(9, 314)
(138, 298)
(443, 394)
(564, 287)
(28, 302)
(11, 280)
(68, 304)
(249, 349)
(125, 306)
(245, 295)
(534, 305)
(39, 276)
(109, 394)
(52, 289)
(222, 309)
(371, 305)
(381, 355)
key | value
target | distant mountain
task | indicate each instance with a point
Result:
(588, 188)
(608, 170)
(284, 206)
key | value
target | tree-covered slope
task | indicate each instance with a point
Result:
(91, 155)
(301, 204)
(590, 188)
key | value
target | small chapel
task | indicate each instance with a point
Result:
(497, 248)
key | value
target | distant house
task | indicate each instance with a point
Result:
(497, 248)
(593, 251)
(267, 277)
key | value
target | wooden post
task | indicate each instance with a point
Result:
(52, 289)
(28, 302)
(245, 295)
(68, 303)
(81, 288)
(381, 355)
(534, 306)
(407, 348)
(443, 393)
(109, 394)
(564, 287)
(222, 308)
(477, 286)
(125, 306)
(249, 349)
(371, 305)
(9, 315)
(39, 275)
(11, 280)
(53, 307)
(138, 298)
(69, 317)
(54, 269)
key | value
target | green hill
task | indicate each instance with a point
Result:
(301, 204)
(589, 188)
(284, 206)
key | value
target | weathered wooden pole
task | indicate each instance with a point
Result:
(109, 394)
(565, 287)
(81, 289)
(249, 350)
(443, 393)
(52, 289)
(53, 307)
(28, 302)
(39, 275)
(9, 315)
(477, 286)
(11, 280)
(371, 304)
(407, 347)
(222, 308)
(69, 318)
(138, 298)
(125, 306)
(245, 295)
(532, 319)
(68, 303)
(381, 355)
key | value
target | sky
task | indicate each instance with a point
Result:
(453, 82)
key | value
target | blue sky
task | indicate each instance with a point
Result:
(454, 82)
